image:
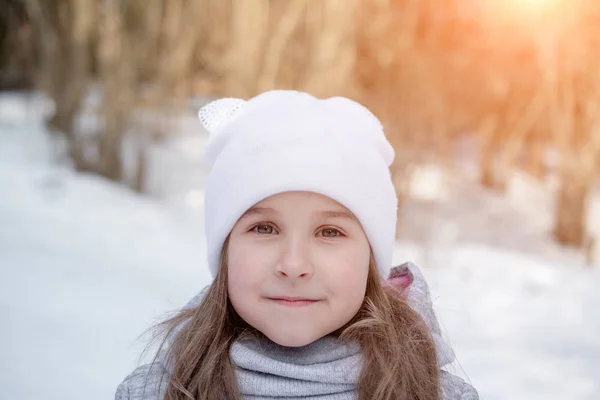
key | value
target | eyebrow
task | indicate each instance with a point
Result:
(337, 214)
(259, 210)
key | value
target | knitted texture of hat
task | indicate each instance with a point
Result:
(284, 140)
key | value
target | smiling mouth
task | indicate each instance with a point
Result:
(293, 302)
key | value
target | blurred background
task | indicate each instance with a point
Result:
(492, 106)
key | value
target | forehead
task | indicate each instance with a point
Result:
(300, 195)
(301, 202)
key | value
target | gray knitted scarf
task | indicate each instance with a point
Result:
(325, 369)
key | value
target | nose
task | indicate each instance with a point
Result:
(294, 262)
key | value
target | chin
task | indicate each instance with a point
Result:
(292, 339)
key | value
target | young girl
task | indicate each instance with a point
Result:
(300, 218)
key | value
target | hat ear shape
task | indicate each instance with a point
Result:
(367, 121)
(219, 111)
(214, 116)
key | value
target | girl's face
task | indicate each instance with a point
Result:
(297, 267)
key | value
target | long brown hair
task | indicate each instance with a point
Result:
(399, 356)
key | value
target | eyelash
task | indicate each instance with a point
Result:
(255, 227)
(339, 233)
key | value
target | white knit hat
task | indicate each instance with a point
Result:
(283, 141)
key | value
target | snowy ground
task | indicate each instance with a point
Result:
(86, 266)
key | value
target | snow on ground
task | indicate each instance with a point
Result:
(522, 327)
(86, 266)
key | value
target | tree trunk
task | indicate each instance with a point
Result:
(536, 165)
(488, 152)
(110, 165)
(65, 64)
(571, 209)
(139, 180)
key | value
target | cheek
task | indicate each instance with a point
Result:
(348, 276)
(241, 278)
(238, 268)
(247, 265)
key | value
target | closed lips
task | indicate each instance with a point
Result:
(293, 301)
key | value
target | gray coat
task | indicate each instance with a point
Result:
(272, 372)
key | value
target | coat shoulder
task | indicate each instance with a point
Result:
(147, 382)
(454, 388)
(416, 291)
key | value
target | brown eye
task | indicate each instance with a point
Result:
(330, 232)
(264, 229)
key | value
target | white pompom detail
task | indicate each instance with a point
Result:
(216, 112)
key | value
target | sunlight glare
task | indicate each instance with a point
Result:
(525, 11)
